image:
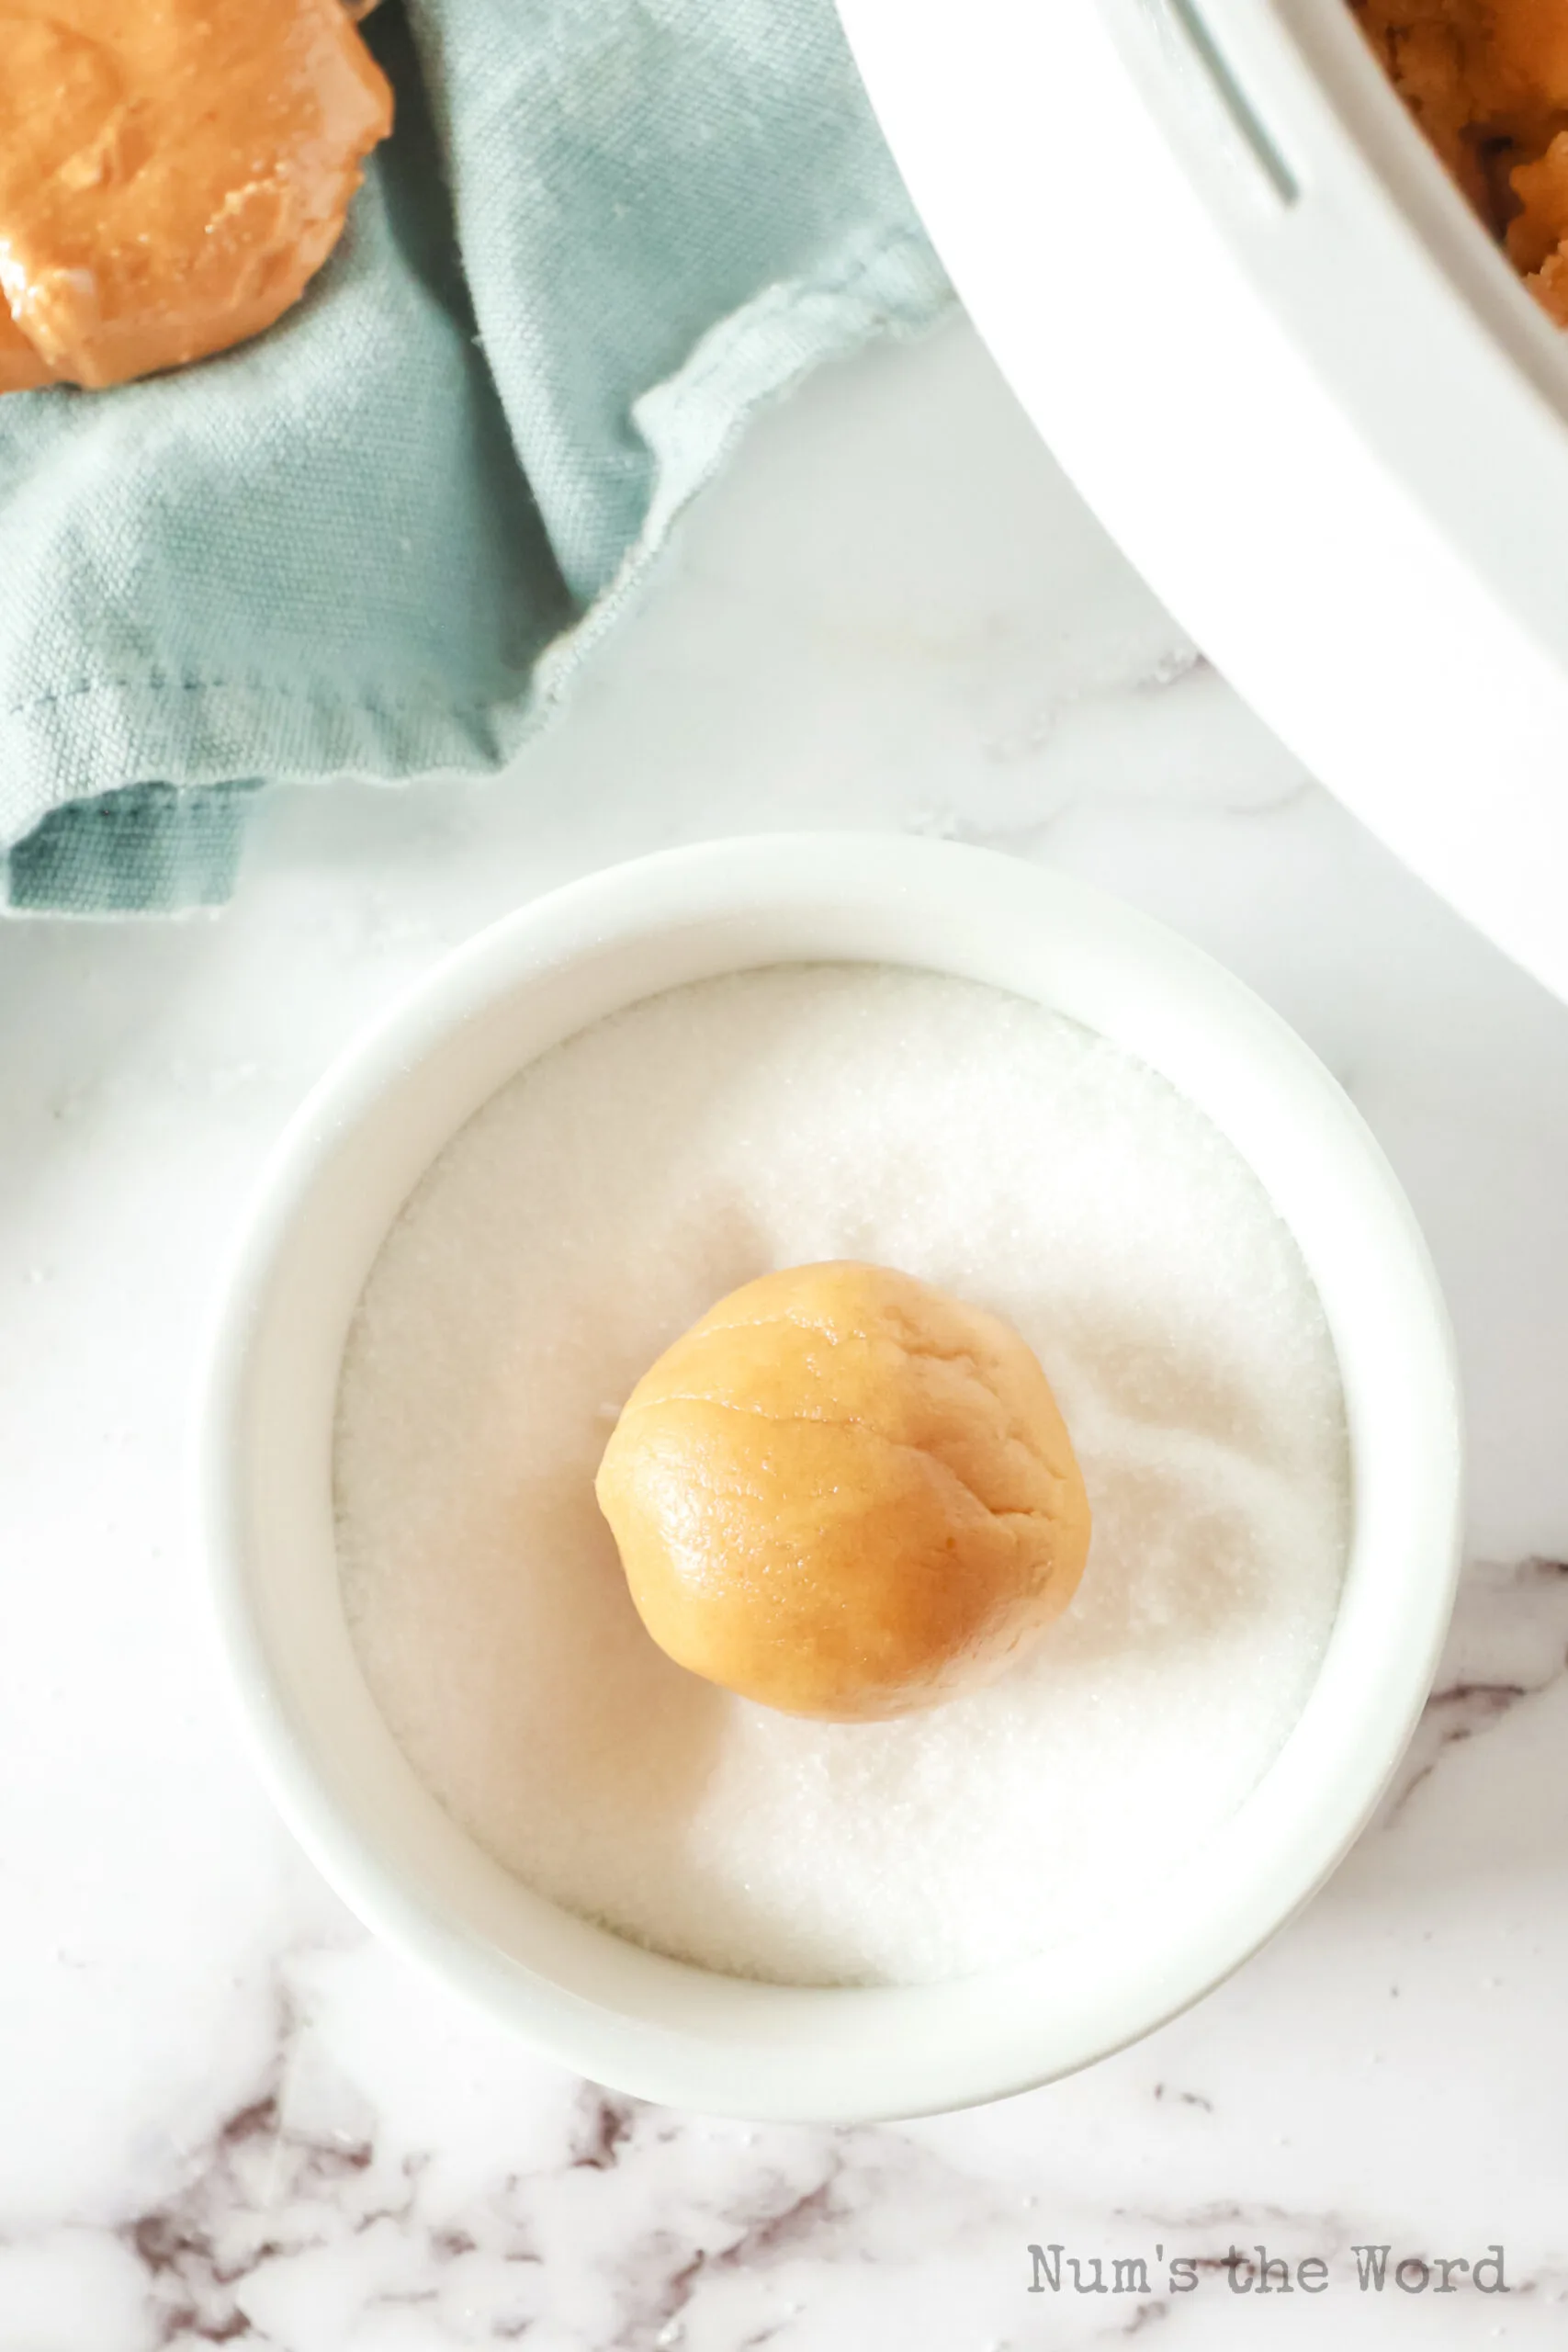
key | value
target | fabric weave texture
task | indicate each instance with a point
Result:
(378, 541)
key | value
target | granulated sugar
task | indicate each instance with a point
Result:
(593, 1209)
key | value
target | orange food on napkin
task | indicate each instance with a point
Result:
(171, 174)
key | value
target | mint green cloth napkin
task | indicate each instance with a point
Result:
(378, 541)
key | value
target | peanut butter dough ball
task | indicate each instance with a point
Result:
(171, 174)
(844, 1494)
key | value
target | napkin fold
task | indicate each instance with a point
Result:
(379, 541)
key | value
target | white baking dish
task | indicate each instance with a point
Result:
(1266, 338)
(353, 1155)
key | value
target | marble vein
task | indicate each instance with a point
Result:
(1512, 1619)
(226, 2116)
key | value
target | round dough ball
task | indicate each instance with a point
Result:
(171, 176)
(844, 1494)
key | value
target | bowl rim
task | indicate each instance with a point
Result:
(768, 2053)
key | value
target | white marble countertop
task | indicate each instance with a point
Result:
(228, 2116)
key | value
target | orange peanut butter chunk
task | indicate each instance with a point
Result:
(1538, 235)
(20, 367)
(171, 174)
(1487, 80)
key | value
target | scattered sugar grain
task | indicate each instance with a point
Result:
(590, 1212)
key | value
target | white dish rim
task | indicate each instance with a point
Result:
(631, 2020)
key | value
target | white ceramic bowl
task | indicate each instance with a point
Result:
(624, 2015)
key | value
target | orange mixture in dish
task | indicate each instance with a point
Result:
(171, 174)
(1487, 80)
